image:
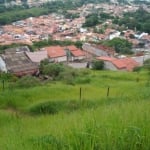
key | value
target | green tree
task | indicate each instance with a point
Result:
(51, 69)
(147, 64)
(91, 20)
(121, 46)
(78, 44)
(139, 20)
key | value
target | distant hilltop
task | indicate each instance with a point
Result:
(20, 2)
(39, 2)
(128, 1)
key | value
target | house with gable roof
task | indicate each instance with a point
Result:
(74, 53)
(123, 64)
(37, 56)
(15, 61)
(56, 54)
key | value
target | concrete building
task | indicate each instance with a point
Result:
(16, 62)
(98, 50)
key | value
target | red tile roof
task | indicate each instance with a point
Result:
(55, 51)
(123, 63)
(119, 64)
(78, 53)
(75, 51)
(130, 63)
(71, 47)
(105, 58)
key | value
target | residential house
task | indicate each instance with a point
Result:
(56, 54)
(74, 53)
(17, 50)
(124, 64)
(98, 50)
(114, 34)
(37, 56)
(17, 63)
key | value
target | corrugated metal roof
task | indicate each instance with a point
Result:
(17, 63)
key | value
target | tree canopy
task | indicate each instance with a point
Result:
(139, 20)
(121, 46)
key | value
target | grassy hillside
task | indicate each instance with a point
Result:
(53, 116)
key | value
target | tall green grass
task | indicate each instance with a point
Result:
(53, 117)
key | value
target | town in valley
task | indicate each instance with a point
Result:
(58, 27)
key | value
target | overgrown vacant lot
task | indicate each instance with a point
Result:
(55, 116)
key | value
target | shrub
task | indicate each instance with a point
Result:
(97, 65)
(7, 76)
(84, 80)
(27, 81)
(147, 64)
(68, 75)
(84, 72)
(52, 69)
(51, 107)
(137, 69)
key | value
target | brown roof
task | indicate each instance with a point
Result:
(109, 50)
(19, 64)
(124, 63)
(72, 47)
(130, 63)
(78, 53)
(117, 62)
(75, 51)
(55, 51)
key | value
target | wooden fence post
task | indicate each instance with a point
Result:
(80, 96)
(108, 91)
(3, 85)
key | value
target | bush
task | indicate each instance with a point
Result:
(97, 65)
(137, 69)
(27, 81)
(7, 76)
(147, 64)
(46, 108)
(68, 76)
(84, 80)
(51, 69)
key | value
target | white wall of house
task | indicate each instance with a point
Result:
(59, 59)
(2, 65)
(114, 35)
(78, 58)
(110, 66)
